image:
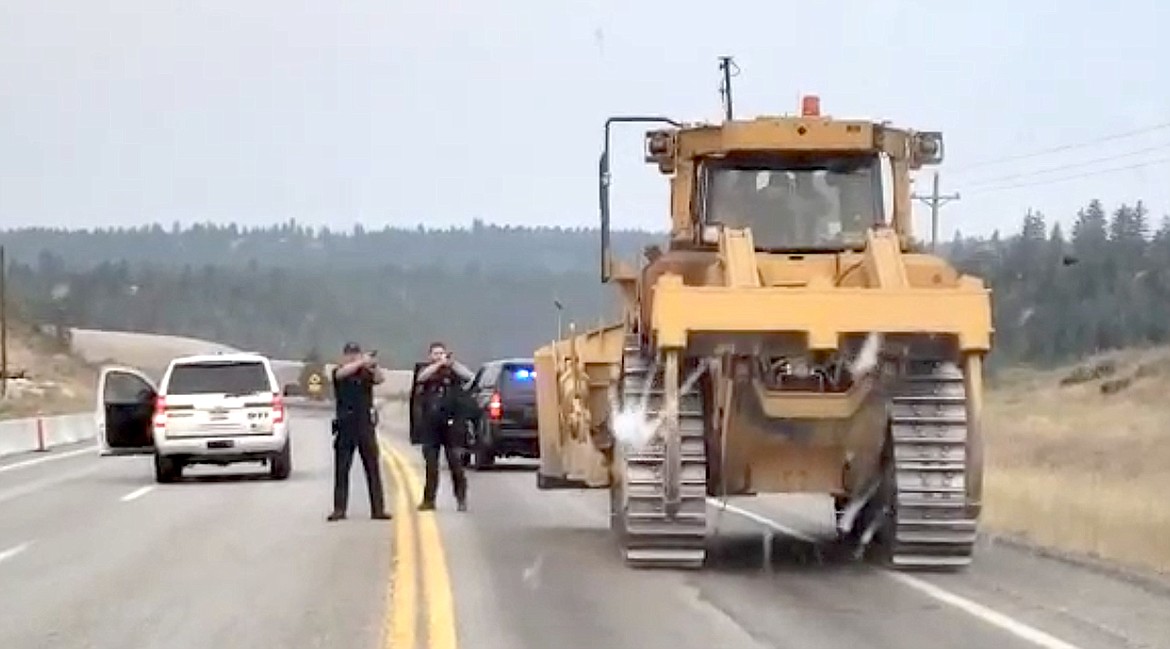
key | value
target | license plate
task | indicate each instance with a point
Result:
(221, 443)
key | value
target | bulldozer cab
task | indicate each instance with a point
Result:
(804, 183)
(810, 202)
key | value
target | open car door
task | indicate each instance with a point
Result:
(416, 419)
(124, 415)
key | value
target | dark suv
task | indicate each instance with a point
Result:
(505, 391)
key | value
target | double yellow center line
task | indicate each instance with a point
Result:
(416, 541)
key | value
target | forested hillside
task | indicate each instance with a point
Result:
(1116, 294)
(490, 290)
(293, 245)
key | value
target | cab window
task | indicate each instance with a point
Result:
(219, 377)
(491, 376)
(820, 202)
(518, 379)
(123, 387)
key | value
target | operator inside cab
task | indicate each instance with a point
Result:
(818, 204)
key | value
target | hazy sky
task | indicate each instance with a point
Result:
(404, 112)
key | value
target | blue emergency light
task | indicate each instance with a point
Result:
(524, 375)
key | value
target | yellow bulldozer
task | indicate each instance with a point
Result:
(791, 338)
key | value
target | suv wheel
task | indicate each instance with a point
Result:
(166, 469)
(280, 466)
(485, 456)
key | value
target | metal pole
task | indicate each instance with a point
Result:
(934, 214)
(935, 201)
(725, 63)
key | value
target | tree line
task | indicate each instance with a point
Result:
(481, 246)
(1058, 297)
(287, 312)
(491, 291)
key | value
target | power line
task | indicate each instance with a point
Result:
(1066, 147)
(1074, 165)
(1140, 165)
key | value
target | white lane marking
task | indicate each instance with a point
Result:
(993, 617)
(47, 458)
(137, 493)
(12, 552)
(990, 616)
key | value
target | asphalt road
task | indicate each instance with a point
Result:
(94, 554)
(556, 580)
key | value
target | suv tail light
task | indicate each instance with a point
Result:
(160, 411)
(495, 407)
(277, 408)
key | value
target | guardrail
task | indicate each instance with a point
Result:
(43, 433)
(33, 434)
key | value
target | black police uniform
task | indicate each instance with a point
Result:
(354, 430)
(442, 409)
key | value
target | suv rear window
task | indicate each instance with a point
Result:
(518, 380)
(214, 377)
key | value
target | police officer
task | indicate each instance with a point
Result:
(441, 386)
(353, 429)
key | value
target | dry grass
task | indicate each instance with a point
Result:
(55, 382)
(1077, 470)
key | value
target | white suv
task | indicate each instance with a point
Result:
(211, 409)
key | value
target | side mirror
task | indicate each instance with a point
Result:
(662, 144)
(927, 148)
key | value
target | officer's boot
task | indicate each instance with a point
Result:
(458, 477)
(429, 489)
(460, 483)
(428, 499)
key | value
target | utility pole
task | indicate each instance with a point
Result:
(3, 324)
(935, 201)
(725, 65)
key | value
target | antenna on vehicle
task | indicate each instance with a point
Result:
(726, 64)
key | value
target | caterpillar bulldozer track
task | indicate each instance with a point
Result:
(790, 338)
